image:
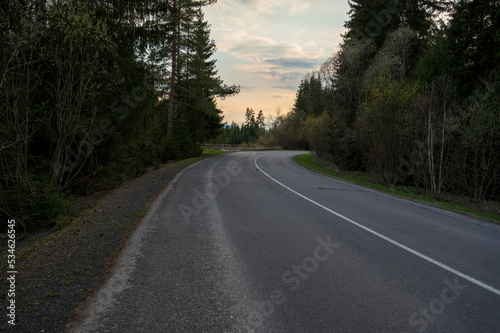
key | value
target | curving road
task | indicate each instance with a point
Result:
(253, 242)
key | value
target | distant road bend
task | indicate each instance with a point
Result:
(253, 242)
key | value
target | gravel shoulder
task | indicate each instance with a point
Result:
(61, 270)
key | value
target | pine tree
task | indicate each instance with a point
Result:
(199, 85)
(374, 19)
(310, 98)
(474, 39)
(261, 119)
(249, 116)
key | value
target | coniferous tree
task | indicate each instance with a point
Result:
(375, 19)
(199, 86)
(474, 41)
(310, 98)
(261, 119)
(79, 99)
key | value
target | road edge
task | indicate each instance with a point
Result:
(455, 208)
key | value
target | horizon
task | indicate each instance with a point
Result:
(267, 47)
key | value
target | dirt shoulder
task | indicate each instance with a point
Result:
(58, 272)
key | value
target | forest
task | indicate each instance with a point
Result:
(412, 98)
(96, 92)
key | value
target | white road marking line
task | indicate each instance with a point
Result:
(423, 256)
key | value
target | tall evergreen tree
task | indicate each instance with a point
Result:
(261, 119)
(375, 19)
(310, 98)
(474, 41)
(199, 85)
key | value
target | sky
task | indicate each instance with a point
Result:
(267, 47)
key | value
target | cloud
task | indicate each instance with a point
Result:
(271, 59)
(279, 74)
(294, 62)
(299, 32)
(288, 87)
(241, 12)
(298, 7)
(243, 45)
(267, 46)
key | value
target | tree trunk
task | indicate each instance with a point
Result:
(173, 77)
(430, 148)
(443, 133)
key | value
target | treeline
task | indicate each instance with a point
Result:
(255, 131)
(410, 98)
(249, 132)
(98, 91)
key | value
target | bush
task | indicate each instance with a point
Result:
(383, 126)
(35, 202)
(317, 134)
(477, 160)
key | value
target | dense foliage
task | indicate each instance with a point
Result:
(98, 91)
(411, 98)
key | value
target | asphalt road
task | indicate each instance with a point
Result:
(252, 242)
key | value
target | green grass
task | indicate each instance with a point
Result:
(207, 153)
(213, 152)
(310, 162)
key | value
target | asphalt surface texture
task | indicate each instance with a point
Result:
(253, 242)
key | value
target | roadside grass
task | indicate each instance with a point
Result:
(213, 152)
(363, 179)
(205, 154)
(114, 176)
